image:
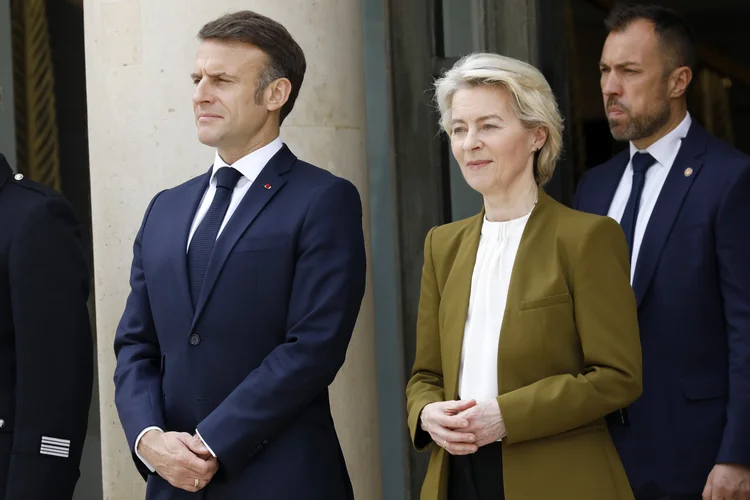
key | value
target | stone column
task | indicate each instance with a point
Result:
(139, 55)
(7, 117)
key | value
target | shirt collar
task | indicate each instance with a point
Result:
(250, 165)
(665, 149)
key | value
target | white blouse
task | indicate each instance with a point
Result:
(498, 245)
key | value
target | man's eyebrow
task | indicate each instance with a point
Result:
(619, 65)
(196, 76)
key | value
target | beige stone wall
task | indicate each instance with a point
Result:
(139, 55)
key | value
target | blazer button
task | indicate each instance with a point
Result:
(195, 339)
(2, 423)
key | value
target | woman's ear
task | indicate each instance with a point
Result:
(540, 137)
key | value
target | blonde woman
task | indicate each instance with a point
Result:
(527, 335)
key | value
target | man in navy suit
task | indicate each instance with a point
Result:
(683, 199)
(246, 284)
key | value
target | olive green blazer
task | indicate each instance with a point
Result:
(569, 352)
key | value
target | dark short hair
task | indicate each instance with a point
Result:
(675, 33)
(285, 56)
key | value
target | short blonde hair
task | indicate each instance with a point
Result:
(531, 97)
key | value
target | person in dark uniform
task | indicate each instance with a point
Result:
(46, 349)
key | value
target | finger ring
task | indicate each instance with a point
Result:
(445, 444)
(196, 483)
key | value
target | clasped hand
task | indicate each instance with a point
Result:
(462, 427)
(179, 458)
(728, 482)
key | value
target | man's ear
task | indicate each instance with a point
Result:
(679, 81)
(277, 93)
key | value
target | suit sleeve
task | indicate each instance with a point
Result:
(138, 372)
(426, 383)
(607, 324)
(49, 286)
(733, 251)
(327, 291)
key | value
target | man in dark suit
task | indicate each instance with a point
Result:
(46, 349)
(246, 284)
(683, 200)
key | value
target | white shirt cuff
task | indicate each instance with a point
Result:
(205, 443)
(138, 440)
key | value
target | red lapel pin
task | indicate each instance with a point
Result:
(267, 186)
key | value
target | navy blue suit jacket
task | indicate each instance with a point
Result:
(46, 347)
(692, 286)
(251, 365)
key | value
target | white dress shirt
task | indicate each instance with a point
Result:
(498, 246)
(250, 167)
(664, 152)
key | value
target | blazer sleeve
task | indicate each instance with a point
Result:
(607, 324)
(327, 291)
(137, 375)
(732, 251)
(49, 287)
(426, 383)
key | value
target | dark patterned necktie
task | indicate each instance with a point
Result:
(202, 244)
(641, 163)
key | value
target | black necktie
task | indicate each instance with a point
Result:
(202, 244)
(641, 163)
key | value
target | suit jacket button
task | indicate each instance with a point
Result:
(195, 339)
(2, 423)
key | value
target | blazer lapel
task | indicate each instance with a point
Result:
(525, 267)
(183, 223)
(523, 271)
(667, 207)
(457, 291)
(265, 187)
(457, 288)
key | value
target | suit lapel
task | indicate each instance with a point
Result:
(183, 223)
(5, 171)
(457, 291)
(250, 206)
(612, 172)
(667, 207)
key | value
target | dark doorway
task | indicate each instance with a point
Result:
(50, 85)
